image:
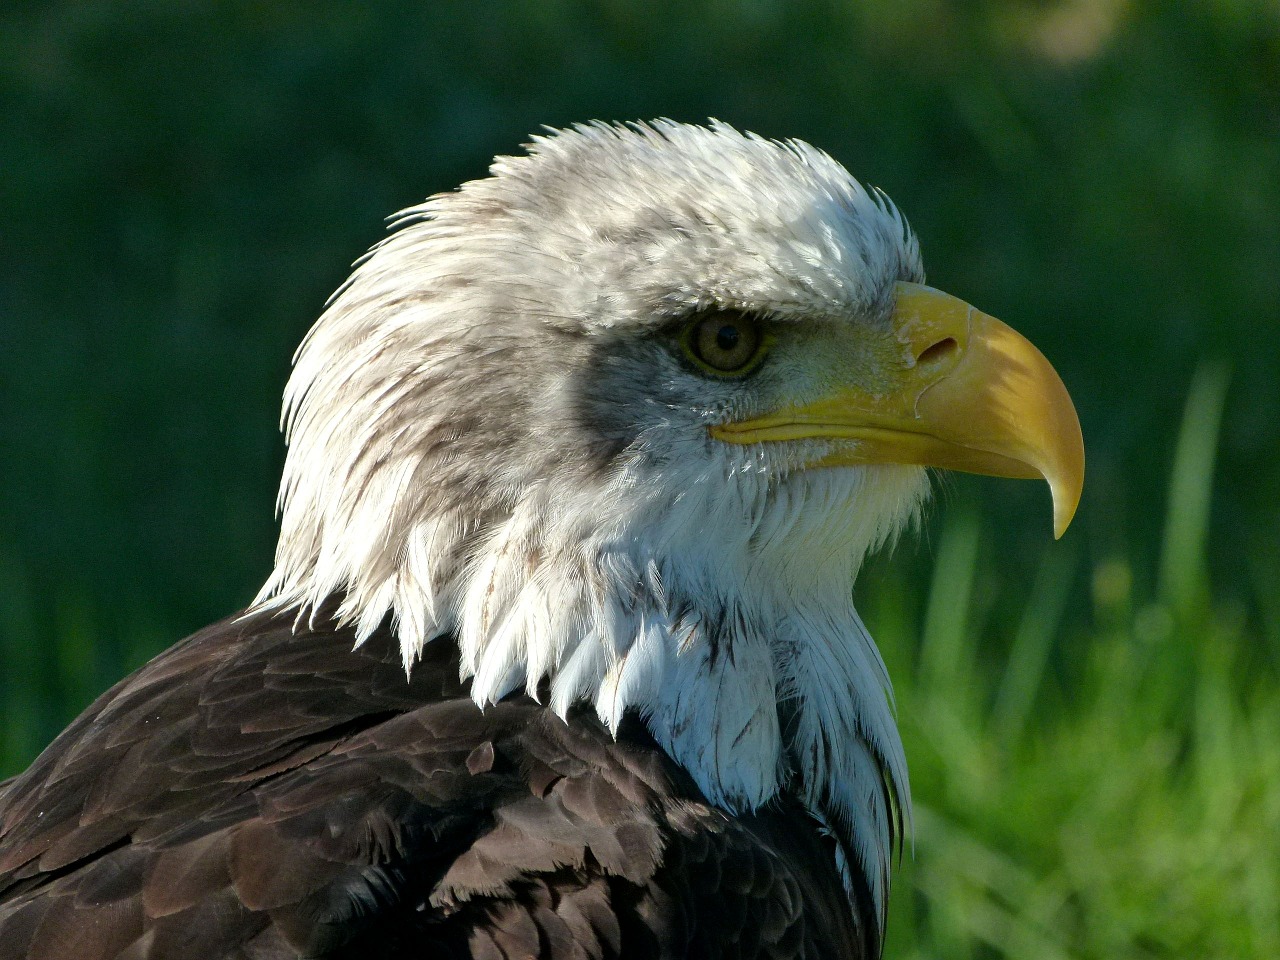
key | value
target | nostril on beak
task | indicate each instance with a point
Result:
(938, 351)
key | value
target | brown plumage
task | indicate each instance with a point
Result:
(263, 792)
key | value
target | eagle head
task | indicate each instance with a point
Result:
(624, 418)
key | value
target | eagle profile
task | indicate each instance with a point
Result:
(559, 657)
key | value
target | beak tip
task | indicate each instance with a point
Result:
(1065, 502)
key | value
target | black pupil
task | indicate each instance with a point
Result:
(727, 338)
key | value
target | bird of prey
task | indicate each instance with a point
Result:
(559, 657)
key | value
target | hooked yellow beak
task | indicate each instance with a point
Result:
(967, 393)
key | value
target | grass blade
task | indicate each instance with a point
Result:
(1183, 583)
(1029, 652)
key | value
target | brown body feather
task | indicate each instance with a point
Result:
(265, 792)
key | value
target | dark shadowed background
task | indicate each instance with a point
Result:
(1093, 725)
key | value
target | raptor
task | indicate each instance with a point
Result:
(559, 657)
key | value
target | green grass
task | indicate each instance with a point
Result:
(1113, 788)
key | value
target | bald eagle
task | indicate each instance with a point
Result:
(559, 657)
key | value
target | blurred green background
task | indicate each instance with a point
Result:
(1093, 725)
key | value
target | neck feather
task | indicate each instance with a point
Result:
(742, 651)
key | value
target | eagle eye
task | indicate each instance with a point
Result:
(724, 342)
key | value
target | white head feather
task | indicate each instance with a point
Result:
(490, 437)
